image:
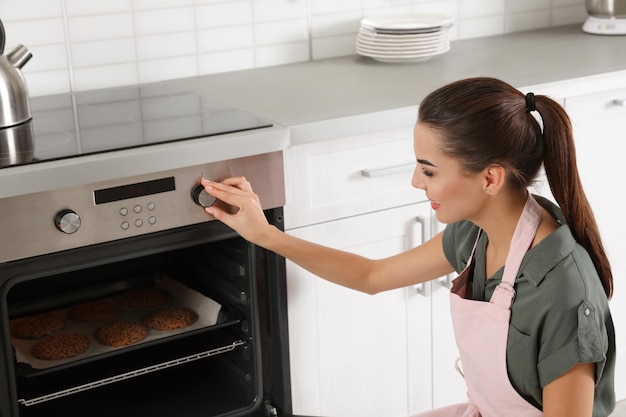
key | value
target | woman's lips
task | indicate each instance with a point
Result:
(434, 205)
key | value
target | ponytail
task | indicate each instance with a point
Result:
(484, 120)
(559, 161)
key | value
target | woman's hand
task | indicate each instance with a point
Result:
(247, 217)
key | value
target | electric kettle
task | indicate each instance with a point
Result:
(16, 133)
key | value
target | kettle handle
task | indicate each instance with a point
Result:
(2, 38)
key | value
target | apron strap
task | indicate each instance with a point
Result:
(523, 236)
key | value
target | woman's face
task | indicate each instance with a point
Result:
(454, 195)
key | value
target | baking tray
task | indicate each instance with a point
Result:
(207, 309)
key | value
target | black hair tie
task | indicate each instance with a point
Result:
(530, 102)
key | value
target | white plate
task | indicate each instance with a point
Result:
(399, 60)
(407, 59)
(409, 21)
(401, 54)
(403, 38)
(400, 42)
(408, 31)
(404, 47)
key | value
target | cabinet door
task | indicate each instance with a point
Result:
(353, 354)
(448, 385)
(349, 176)
(599, 122)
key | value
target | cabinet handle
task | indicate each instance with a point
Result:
(384, 172)
(446, 281)
(422, 289)
(619, 102)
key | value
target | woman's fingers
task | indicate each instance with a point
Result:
(247, 218)
(235, 192)
(238, 182)
(230, 191)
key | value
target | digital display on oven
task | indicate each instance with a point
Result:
(123, 192)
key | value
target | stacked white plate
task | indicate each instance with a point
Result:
(404, 38)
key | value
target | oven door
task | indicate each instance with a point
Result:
(237, 365)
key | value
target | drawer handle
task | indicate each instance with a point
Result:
(384, 172)
(424, 288)
(619, 102)
(446, 281)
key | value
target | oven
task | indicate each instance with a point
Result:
(119, 294)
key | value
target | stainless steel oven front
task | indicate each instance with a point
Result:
(80, 249)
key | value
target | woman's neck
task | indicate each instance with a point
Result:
(498, 221)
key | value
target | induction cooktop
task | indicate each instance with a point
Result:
(96, 121)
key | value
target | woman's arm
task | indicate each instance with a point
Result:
(571, 394)
(417, 265)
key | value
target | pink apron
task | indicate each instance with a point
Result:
(481, 332)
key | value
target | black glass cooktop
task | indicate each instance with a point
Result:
(89, 122)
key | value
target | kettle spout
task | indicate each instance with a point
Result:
(19, 56)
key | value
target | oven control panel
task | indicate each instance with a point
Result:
(73, 217)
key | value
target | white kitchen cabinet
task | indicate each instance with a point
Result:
(354, 354)
(448, 385)
(599, 121)
(344, 177)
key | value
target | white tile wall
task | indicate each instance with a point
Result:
(79, 44)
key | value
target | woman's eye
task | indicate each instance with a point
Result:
(427, 173)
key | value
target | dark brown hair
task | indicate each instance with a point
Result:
(483, 121)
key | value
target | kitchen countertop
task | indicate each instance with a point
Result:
(354, 94)
(325, 99)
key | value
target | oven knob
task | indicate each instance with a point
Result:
(201, 198)
(67, 221)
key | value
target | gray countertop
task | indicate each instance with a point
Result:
(324, 99)
(301, 96)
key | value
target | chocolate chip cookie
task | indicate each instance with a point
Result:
(93, 311)
(40, 325)
(60, 346)
(170, 318)
(119, 333)
(144, 297)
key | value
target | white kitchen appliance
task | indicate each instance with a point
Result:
(606, 17)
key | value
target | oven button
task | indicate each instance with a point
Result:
(201, 198)
(67, 221)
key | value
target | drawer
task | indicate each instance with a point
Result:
(599, 105)
(343, 177)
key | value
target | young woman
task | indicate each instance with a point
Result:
(530, 306)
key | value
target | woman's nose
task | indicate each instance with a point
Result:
(417, 180)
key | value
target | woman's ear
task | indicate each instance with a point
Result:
(494, 178)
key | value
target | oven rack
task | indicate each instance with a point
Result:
(132, 374)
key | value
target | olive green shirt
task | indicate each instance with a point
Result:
(560, 315)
